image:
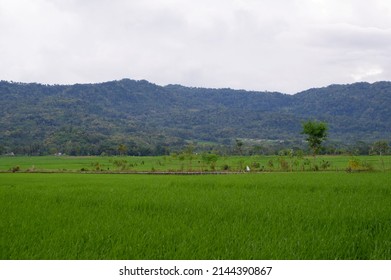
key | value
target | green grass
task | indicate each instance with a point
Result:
(251, 216)
(193, 163)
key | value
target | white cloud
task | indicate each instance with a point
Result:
(366, 73)
(284, 45)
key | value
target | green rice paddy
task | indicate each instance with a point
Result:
(277, 215)
(193, 163)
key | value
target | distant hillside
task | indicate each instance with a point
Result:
(151, 119)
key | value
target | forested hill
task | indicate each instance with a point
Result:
(150, 119)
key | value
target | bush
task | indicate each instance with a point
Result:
(225, 167)
(355, 164)
(15, 169)
(284, 165)
(325, 164)
(121, 164)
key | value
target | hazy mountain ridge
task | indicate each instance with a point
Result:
(96, 118)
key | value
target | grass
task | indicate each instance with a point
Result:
(251, 216)
(193, 163)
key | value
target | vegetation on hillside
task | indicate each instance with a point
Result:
(140, 118)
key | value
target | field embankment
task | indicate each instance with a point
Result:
(193, 163)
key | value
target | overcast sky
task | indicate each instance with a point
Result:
(274, 45)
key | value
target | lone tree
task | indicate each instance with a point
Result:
(316, 133)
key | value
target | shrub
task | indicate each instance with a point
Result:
(15, 169)
(121, 164)
(324, 164)
(355, 164)
(284, 165)
(225, 167)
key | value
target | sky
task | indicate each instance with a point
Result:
(264, 45)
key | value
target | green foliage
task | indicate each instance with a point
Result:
(356, 164)
(96, 166)
(325, 164)
(284, 165)
(122, 149)
(225, 167)
(239, 146)
(316, 133)
(120, 164)
(380, 147)
(198, 164)
(139, 118)
(15, 169)
(210, 159)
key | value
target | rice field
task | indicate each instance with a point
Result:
(288, 215)
(193, 163)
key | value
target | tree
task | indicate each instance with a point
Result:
(210, 159)
(316, 133)
(361, 148)
(239, 145)
(122, 149)
(380, 147)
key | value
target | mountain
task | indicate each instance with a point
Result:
(86, 119)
